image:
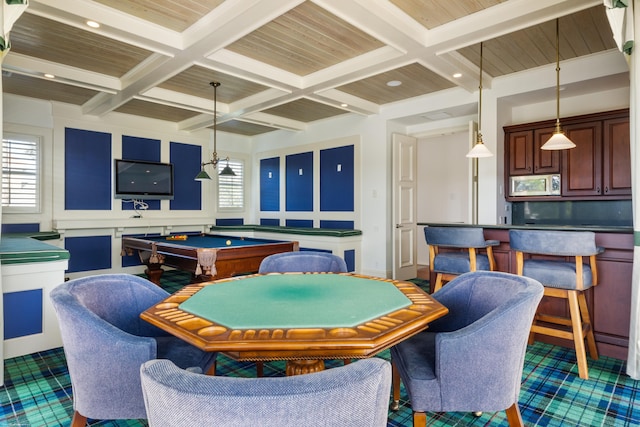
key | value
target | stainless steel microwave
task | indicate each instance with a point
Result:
(535, 185)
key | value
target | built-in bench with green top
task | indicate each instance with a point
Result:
(30, 268)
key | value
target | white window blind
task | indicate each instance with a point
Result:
(231, 188)
(20, 177)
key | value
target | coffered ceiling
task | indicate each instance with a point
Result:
(282, 64)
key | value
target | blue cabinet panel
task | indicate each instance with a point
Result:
(270, 221)
(336, 179)
(22, 313)
(88, 253)
(87, 170)
(230, 221)
(135, 148)
(20, 228)
(187, 160)
(299, 182)
(303, 223)
(350, 259)
(342, 225)
(270, 184)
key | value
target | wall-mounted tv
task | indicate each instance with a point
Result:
(136, 179)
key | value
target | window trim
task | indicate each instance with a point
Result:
(238, 165)
(38, 140)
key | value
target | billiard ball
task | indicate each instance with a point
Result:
(228, 242)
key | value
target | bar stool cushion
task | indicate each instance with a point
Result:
(554, 273)
(458, 262)
(557, 274)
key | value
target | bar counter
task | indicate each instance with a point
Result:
(609, 302)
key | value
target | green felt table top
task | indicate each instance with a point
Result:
(16, 250)
(295, 301)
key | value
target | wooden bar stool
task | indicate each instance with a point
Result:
(561, 279)
(462, 255)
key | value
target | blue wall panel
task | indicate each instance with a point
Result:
(134, 148)
(88, 253)
(186, 159)
(87, 170)
(230, 221)
(22, 313)
(270, 221)
(336, 179)
(270, 184)
(342, 225)
(20, 228)
(299, 182)
(304, 223)
(350, 259)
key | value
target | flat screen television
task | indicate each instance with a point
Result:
(136, 179)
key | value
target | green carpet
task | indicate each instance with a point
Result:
(37, 390)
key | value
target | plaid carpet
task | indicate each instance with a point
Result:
(37, 390)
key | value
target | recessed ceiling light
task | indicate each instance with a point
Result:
(93, 24)
(49, 76)
(457, 75)
(344, 105)
(394, 83)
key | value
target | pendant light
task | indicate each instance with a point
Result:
(479, 149)
(227, 171)
(558, 140)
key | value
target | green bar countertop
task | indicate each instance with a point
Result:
(17, 250)
(594, 228)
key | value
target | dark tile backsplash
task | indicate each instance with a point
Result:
(603, 213)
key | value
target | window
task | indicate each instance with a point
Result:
(230, 187)
(20, 177)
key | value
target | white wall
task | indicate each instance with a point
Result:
(443, 183)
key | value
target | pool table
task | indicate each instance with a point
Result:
(205, 256)
(302, 318)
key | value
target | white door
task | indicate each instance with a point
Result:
(404, 206)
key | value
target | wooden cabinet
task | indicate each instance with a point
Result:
(582, 165)
(616, 164)
(598, 167)
(525, 156)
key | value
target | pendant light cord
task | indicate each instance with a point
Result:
(215, 116)
(480, 98)
(557, 75)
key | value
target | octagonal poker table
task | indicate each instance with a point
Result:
(302, 318)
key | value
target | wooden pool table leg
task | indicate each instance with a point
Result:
(300, 367)
(154, 272)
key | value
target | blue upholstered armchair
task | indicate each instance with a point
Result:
(303, 261)
(461, 252)
(472, 359)
(105, 342)
(355, 395)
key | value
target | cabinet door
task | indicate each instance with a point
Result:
(521, 153)
(582, 165)
(617, 158)
(544, 161)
